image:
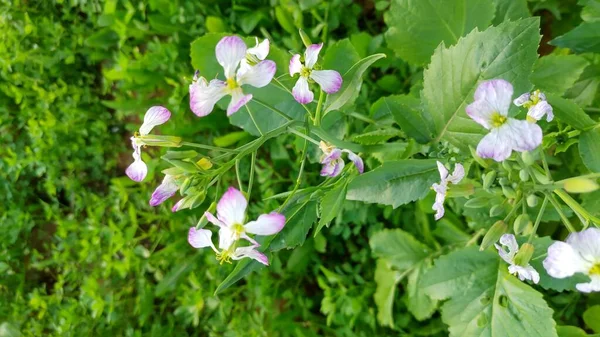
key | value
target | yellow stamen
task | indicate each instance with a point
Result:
(595, 270)
(231, 83)
(224, 256)
(238, 230)
(305, 72)
(497, 120)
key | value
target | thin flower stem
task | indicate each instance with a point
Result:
(362, 118)
(299, 178)
(208, 147)
(513, 210)
(577, 208)
(546, 167)
(319, 107)
(279, 112)
(538, 219)
(251, 180)
(237, 174)
(301, 135)
(560, 212)
(253, 121)
(592, 109)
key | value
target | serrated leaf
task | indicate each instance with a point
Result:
(418, 303)
(376, 137)
(510, 10)
(549, 68)
(299, 220)
(351, 85)
(483, 299)
(416, 27)
(397, 247)
(569, 112)
(331, 205)
(585, 38)
(507, 51)
(408, 114)
(589, 149)
(395, 182)
(387, 280)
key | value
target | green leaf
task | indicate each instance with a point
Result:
(395, 182)
(416, 27)
(507, 51)
(399, 248)
(483, 299)
(331, 205)
(340, 56)
(387, 280)
(591, 318)
(418, 302)
(299, 220)
(584, 90)
(409, 115)
(510, 10)
(376, 136)
(557, 73)
(215, 24)
(242, 268)
(569, 112)
(351, 85)
(572, 331)
(589, 149)
(180, 270)
(202, 52)
(584, 38)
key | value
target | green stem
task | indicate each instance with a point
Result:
(513, 210)
(577, 208)
(251, 180)
(319, 107)
(253, 121)
(301, 135)
(545, 163)
(208, 147)
(299, 178)
(362, 118)
(558, 209)
(237, 174)
(538, 219)
(279, 112)
(592, 109)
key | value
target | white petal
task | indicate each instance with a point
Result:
(329, 80)
(439, 208)
(164, 191)
(226, 238)
(212, 219)
(200, 238)
(510, 242)
(231, 209)
(504, 254)
(261, 50)
(525, 273)
(443, 171)
(490, 97)
(523, 136)
(238, 100)
(138, 170)
(493, 146)
(564, 261)
(258, 75)
(312, 55)
(592, 286)
(301, 92)
(334, 154)
(356, 160)
(587, 243)
(204, 96)
(519, 101)
(295, 65)
(156, 115)
(252, 253)
(230, 51)
(457, 175)
(539, 110)
(266, 224)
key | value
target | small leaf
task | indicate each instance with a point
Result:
(583, 39)
(376, 137)
(299, 220)
(408, 114)
(387, 280)
(591, 318)
(549, 68)
(510, 10)
(589, 149)
(418, 303)
(331, 205)
(569, 112)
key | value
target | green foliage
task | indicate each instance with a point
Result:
(584, 38)
(567, 67)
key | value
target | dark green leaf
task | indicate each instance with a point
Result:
(585, 38)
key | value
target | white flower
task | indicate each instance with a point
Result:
(201, 238)
(441, 188)
(329, 80)
(156, 115)
(230, 52)
(579, 254)
(537, 106)
(490, 110)
(523, 272)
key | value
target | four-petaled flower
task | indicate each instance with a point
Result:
(329, 80)
(536, 105)
(333, 163)
(231, 214)
(579, 254)
(526, 272)
(441, 188)
(156, 115)
(255, 71)
(490, 109)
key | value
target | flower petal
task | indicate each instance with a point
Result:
(156, 115)
(490, 97)
(522, 135)
(231, 209)
(177, 205)
(539, 110)
(212, 219)
(592, 286)
(525, 273)
(259, 75)
(204, 96)
(519, 101)
(295, 65)
(334, 154)
(312, 55)
(226, 238)
(252, 253)
(587, 243)
(356, 160)
(333, 168)
(230, 51)
(164, 191)
(458, 174)
(266, 224)
(261, 50)
(493, 146)
(442, 170)
(329, 80)
(510, 242)
(138, 170)
(200, 238)
(301, 92)
(564, 261)
(438, 207)
(238, 100)
(504, 254)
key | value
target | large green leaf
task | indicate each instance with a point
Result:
(483, 299)
(340, 56)
(589, 149)
(416, 27)
(331, 205)
(300, 218)
(418, 302)
(585, 38)
(510, 10)
(395, 182)
(507, 51)
(408, 114)
(557, 73)
(399, 248)
(569, 112)
(387, 279)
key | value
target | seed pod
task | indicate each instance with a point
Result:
(185, 185)
(521, 223)
(580, 185)
(493, 234)
(528, 158)
(509, 192)
(488, 179)
(523, 175)
(524, 255)
(532, 200)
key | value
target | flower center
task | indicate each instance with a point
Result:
(231, 83)
(305, 72)
(252, 59)
(497, 120)
(238, 229)
(595, 270)
(225, 256)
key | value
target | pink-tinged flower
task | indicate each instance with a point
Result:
(330, 81)
(202, 238)
(441, 188)
(164, 191)
(177, 206)
(332, 161)
(490, 110)
(537, 106)
(156, 115)
(230, 52)
(526, 272)
(579, 254)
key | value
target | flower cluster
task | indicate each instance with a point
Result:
(332, 161)
(231, 215)
(507, 134)
(441, 188)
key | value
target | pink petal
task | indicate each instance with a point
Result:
(156, 115)
(266, 224)
(175, 207)
(231, 209)
(259, 75)
(238, 100)
(261, 50)
(334, 154)
(230, 51)
(252, 253)
(332, 169)
(490, 97)
(493, 146)
(138, 170)
(539, 110)
(312, 55)
(204, 96)
(356, 160)
(164, 191)
(200, 238)
(301, 92)
(212, 219)
(295, 65)
(519, 101)
(329, 80)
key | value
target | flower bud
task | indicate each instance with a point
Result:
(204, 164)
(528, 158)
(157, 140)
(521, 223)
(509, 192)
(504, 181)
(496, 210)
(185, 185)
(479, 202)
(524, 255)
(488, 179)
(580, 185)
(493, 234)
(523, 175)
(532, 200)
(305, 38)
(506, 165)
